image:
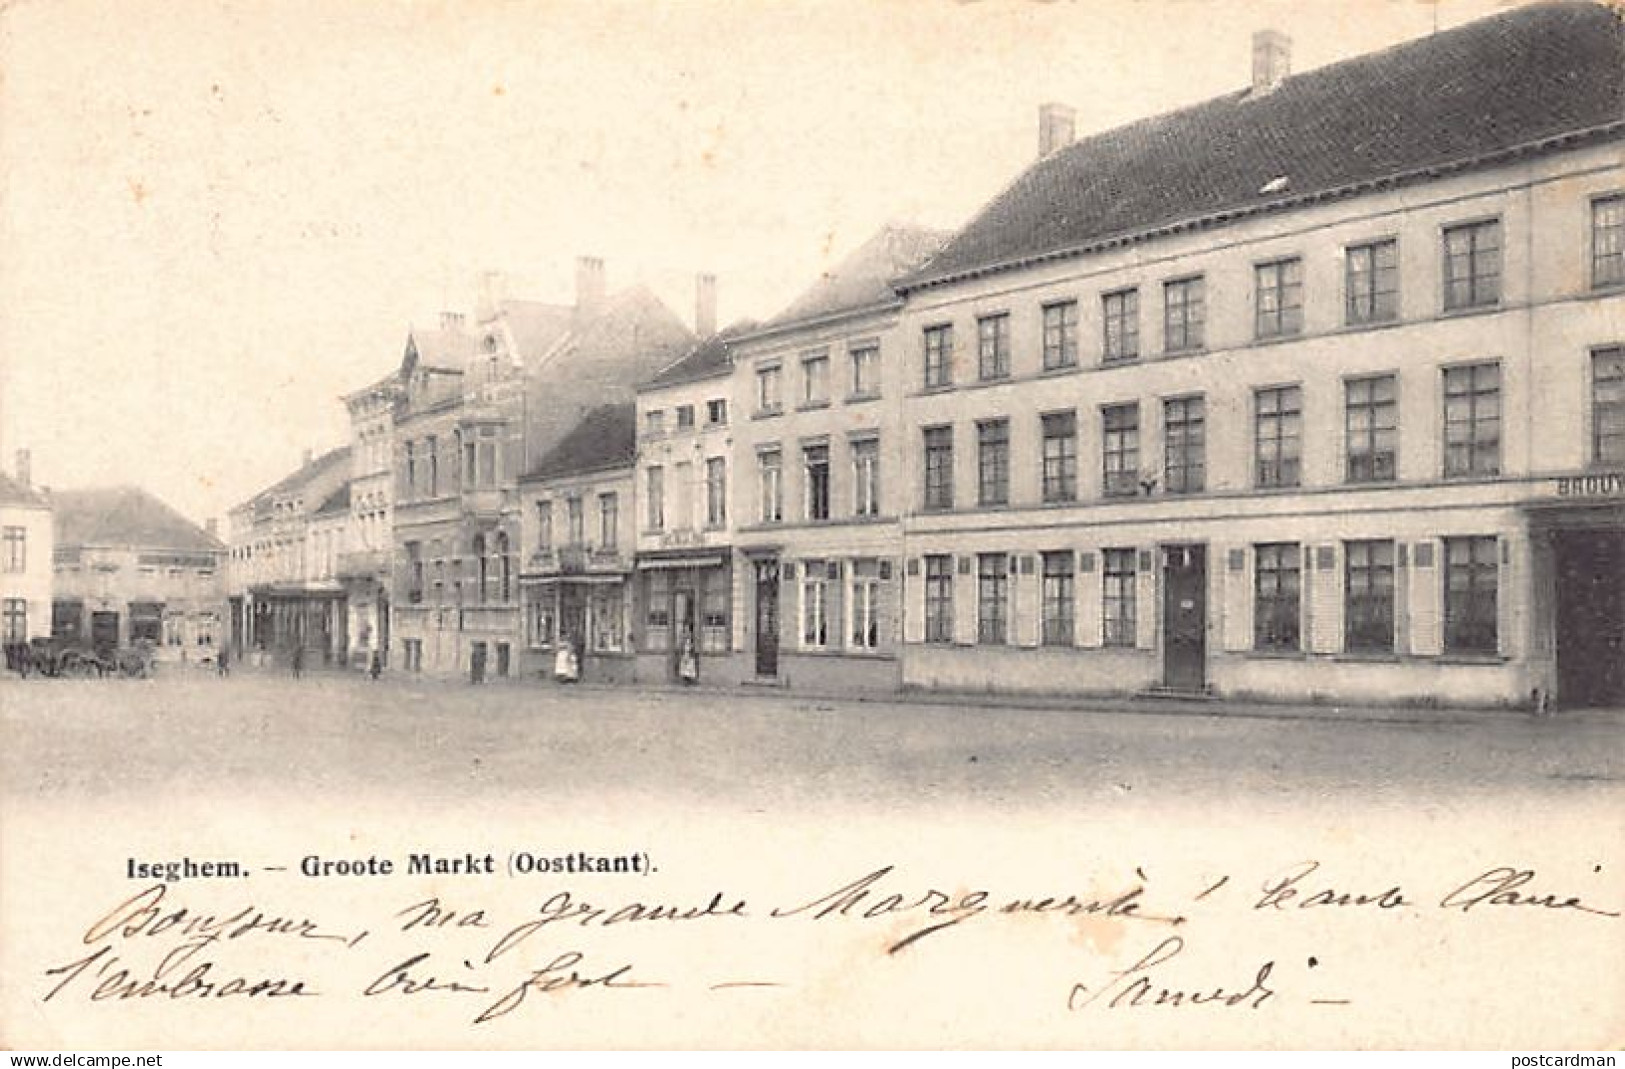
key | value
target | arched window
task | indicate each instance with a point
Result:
(504, 566)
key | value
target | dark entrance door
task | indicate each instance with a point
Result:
(1184, 617)
(104, 631)
(767, 618)
(1591, 617)
(476, 663)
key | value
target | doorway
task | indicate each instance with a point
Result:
(767, 618)
(476, 663)
(1184, 617)
(1590, 617)
(684, 623)
(104, 631)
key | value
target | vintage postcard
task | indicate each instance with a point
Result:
(800, 524)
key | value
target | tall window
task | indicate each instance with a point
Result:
(1608, 241)
(15, 552)
(1277, 594)
(1060, 475)
(654, 423)
(865, 371)
(544, 526)
(488, 456)
(815, 460)
(770, 472)
(609, 520)
(1369, 596)
(1472, 265)
(1184, 314)
(716, 411)
(939, 598)
(1117, 597)
(1120, 448)
(1185, 444)
(716, 491)
(655, 517)
(1278, 295)
(993, 462)
(1608, 405)
(865, 606)
(577, 521)
(469, 460)
(685, 417)
(1278, 436)
(1470, 577)
(1472, 420)
(992, 598)
(1121, 314)
(1060, 335)
(866, 477)
(432, 449)
(411, 486)
(414, 573)
(14, 620)
(683, 495)
(1059, 596)
(481, 567)
(815, 378)
(993, 347)
(769, 395)
(1371, 283)
(1371, 428)
(504, 567)
(939, 467)
(939, 355)
(814, 605)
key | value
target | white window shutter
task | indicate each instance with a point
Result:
(1025, 601)
(1426, 616)
(1508, 595)
(965, 600)
(1088, 609)
(913, 585)
(1146, 610)
(1325, 586)
(1237, 577)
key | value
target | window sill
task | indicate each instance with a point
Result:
(827, 652)
(1120, 361)
(1486, 308)
(941, 387)
(811, 406)
(1481, 660)
(861, 398)
(1363, 657)
(1274, 655)
(1058, 370)
(767, 413)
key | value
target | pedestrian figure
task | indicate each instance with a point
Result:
(222, 661)
(688, 663)
(298, 660)
(376, 666)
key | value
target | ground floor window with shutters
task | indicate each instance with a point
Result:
(939, 598)
(865, 605)
(992, 598)
(1470, 592)
(1368, 611)
(1117, 597)
(814, 606)
(1059, 596)
(1277, 596)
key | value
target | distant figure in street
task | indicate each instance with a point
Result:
(298, 660)
(688, 662)
(377, 665)
(222, 661)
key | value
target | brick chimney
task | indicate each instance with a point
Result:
(1272, 60)
(705, 305)
(590, 286)
(1056, 127)
(25, 468)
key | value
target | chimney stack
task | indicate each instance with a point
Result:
(1055, 127)
(590, 287)
(705, 305)
(25, 465)
(1272, 60)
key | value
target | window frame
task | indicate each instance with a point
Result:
(1606, 448)
(937, 575)
(1601, 278)
(993, 348)
(937, 471)
(1122, 443)
(993, 599)
(1184, 444)
(1120, 309)
(1119, 612)
(1476, 277)
(1277, 610)
(1471, 625)
(1060, 321)
(1058, 600)
(1373, 434)
(1477, 445)
(1278, 298)
(1190, 326)
(1365, 300)
(938, 341)
(1278, 437)
(1058, 473)
(1361, 628)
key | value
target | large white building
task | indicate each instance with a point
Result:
(1314, 391)
(25, 557)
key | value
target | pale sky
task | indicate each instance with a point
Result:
(217, 217)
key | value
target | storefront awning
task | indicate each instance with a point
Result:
(706, 560)
(583, 577)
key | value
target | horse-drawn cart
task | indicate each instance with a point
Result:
(61, 658)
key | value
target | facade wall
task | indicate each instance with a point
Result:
(1539, 336)
(26, 579)
(118, 595)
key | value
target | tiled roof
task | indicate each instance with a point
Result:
(305, 473)
(13, 492)
(864, 277)
(124, 516)
(1530, 75)
(605, 438)
(337, 501)
(710, 357)
(536, 326)
(445, 350)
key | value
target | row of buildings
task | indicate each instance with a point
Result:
(1313, 391)
(106, 568)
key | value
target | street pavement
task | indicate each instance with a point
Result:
(415, 737)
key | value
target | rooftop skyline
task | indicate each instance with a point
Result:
(218, 222)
